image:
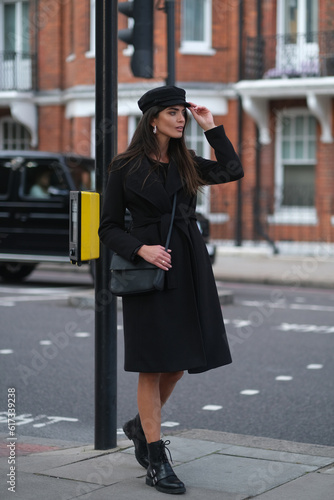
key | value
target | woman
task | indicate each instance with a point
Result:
(180, 328)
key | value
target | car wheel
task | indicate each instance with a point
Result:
(15, 271)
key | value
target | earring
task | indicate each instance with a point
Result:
(154, 129)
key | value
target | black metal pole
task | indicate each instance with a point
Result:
(105, 303)
(170, 10)
(238, 227)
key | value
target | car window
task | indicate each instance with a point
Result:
(5, 177)
(82, 172)
(43, 179)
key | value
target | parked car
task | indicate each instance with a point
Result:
(34, 208)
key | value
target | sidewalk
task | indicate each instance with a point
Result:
(213, 466)
(258, 266)
(244, 265)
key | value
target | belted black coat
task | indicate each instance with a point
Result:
(181, 327)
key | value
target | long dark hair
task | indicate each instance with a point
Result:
(145, 143)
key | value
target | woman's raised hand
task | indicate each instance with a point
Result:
(202, 115)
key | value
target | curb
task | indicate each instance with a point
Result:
(86, 300)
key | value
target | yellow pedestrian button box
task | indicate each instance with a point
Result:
(84, 224)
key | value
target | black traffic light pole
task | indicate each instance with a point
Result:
(105, 303)
(170, 11)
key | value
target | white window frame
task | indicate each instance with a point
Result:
(289, 214)
(194, 136)
(13, 123)
(91, 52)
(132, 125)
(92, 136)
(299, 54)
(21, 64)
(18, 23)
(203, 47)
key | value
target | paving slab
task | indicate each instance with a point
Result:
(281, 456)
(184, 450)
(239, 475)
(35, 487)
(48, 460)
(315, 486)
(136, 489)
(259, 442)
(103, 470)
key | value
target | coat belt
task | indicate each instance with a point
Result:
(164, 220)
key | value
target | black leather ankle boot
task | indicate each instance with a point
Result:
(160, 473)
(134, 431)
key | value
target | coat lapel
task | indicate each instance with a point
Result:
(151, 188)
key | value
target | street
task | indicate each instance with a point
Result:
(279, 384)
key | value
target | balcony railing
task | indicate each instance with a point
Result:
(290, 56)
(17, 71)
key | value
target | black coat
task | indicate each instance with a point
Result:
(180, 328)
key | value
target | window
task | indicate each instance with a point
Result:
(195, 140)
(196, 27)
(91, 52)
(295, 168)
(43, 179)
(297, 44)
(13, 135)
(15, 66)
(5, 177)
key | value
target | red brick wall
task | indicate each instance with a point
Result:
(61, 29)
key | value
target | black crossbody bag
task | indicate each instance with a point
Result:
(130, 278)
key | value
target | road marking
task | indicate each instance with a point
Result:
(45, 342)
(294, 327)
(82, 334)
(312, 307)
(249, 392)
(35, 294)
(237, 323)
(6, 351)
(169, 424)
(4, 303)
(27, 418)
(284, 305)
(284, 377)
(212, 407)
(314, 367)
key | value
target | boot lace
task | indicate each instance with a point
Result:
(164, 457)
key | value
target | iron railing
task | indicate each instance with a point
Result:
(289, 56)
(17, 71)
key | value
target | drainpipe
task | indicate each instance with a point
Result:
(238, 228)
(258, 227)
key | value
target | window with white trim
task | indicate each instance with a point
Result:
(15, 64)
(295, 168)
(195, 140)
(13, 135)
(196, 27)
(91, 52)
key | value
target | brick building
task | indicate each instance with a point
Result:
(264, 67)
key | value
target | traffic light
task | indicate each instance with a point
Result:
(140, 35)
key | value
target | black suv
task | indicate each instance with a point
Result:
(34, 208)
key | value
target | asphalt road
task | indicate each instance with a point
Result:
(279, 385)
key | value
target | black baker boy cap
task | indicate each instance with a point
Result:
(168, 95)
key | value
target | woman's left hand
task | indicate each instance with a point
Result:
(202, 115)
